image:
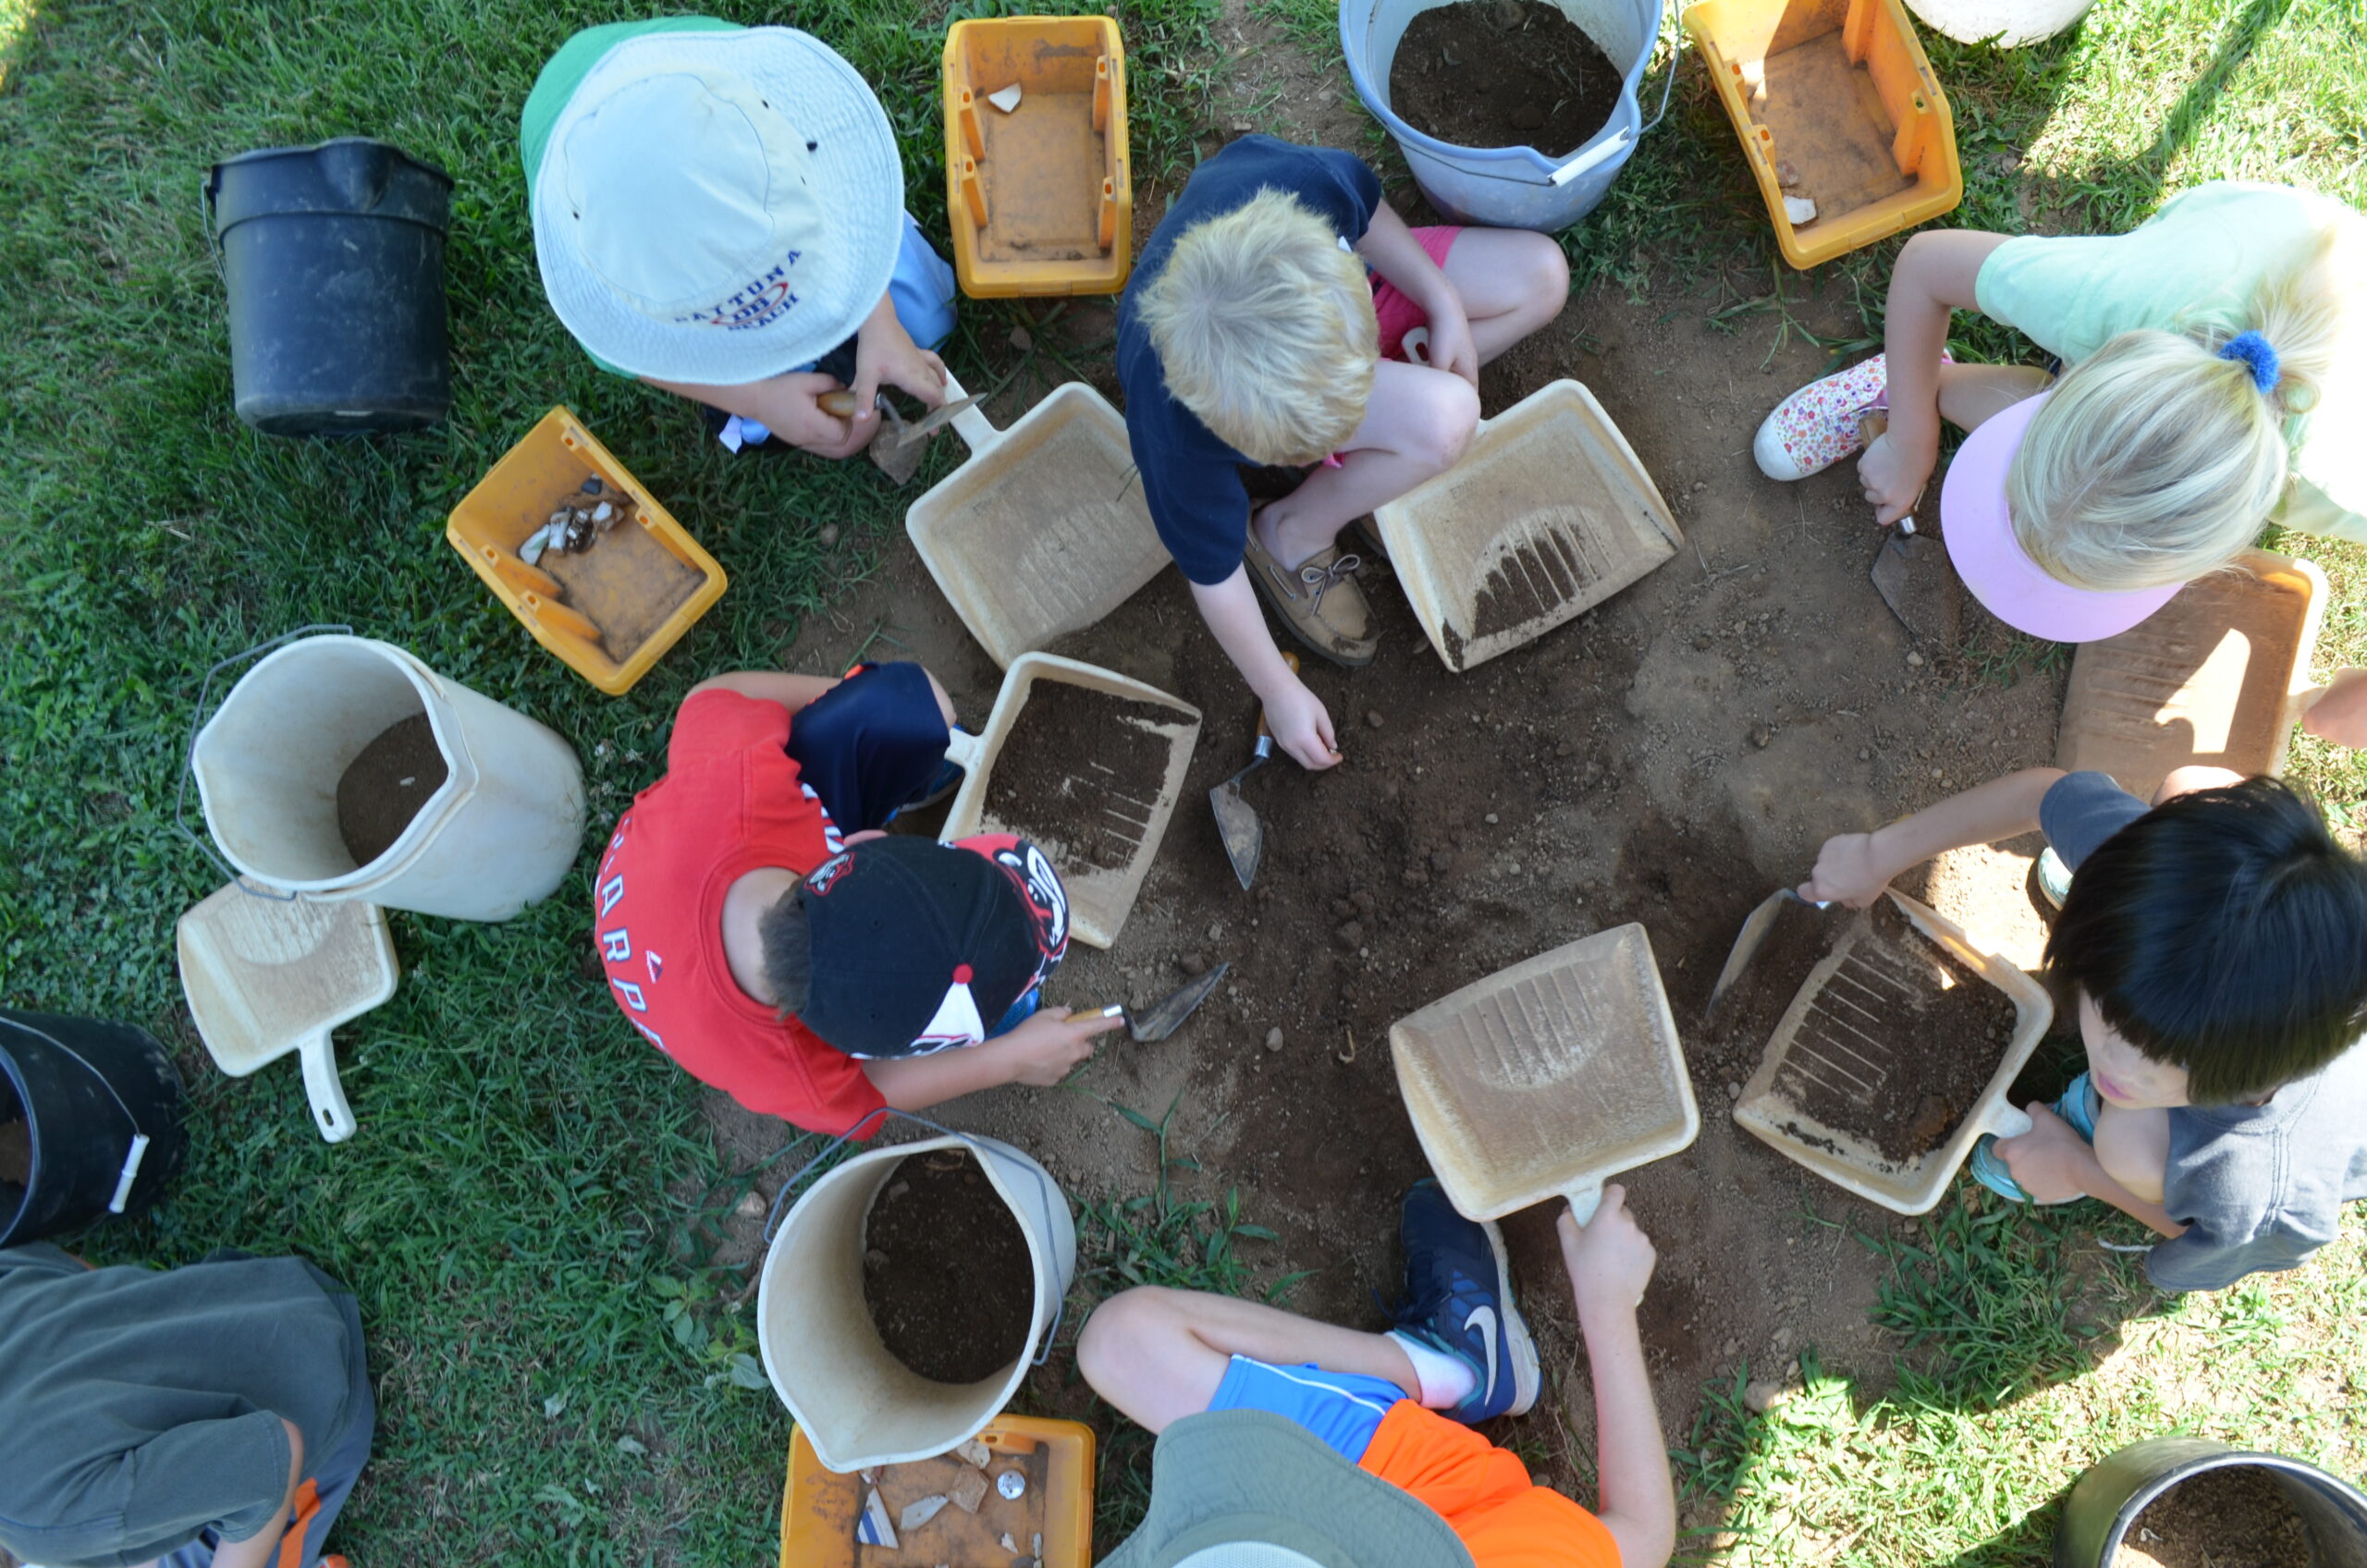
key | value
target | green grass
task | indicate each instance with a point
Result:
(530, 1209)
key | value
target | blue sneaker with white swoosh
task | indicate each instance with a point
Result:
(1459, 1302)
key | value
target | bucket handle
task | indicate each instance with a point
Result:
(1043, 1196)
(188, 758)
(1593, 155)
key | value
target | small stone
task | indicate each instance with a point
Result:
(592, 487)
(1351, 934)
(1865, 754)
(1785, 175)
(1701, 643)
(1365, 903)
(1344, 908)
(1760, 735)
(1441, 861)
(1274, 1040)
(828, 534)
(1566, 749)
(1490, 819)
(1513, 869)
(1192, 964)
(1730, 1348)
(1762, 1395)
(970, 1490)
(1734, 1090)
(1939, 773)
(1022, 339)
(1699, 486)
(974, 1453)
(1914, 661)
(875, 1258)
(1372, 717)
(750, 1206)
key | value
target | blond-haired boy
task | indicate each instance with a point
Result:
(1252, 333)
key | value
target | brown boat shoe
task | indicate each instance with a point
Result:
(1319, 600)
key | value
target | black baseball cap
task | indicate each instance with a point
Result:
(918, 947)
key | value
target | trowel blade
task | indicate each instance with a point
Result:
(1160, 1019)
(1746, 943)
(919, 430)
(1913, 575)
(1238, 824)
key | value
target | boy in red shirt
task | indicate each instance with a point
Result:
(757, 927)
(1259, 1408)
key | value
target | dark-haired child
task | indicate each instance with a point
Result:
(757, 927)
(2214, 949)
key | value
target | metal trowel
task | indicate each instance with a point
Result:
(896, 447)
(1753, 935)
(1912, 573)
(1237, 825)
(1162, 1017)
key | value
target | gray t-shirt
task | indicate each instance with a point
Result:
(2258, 1188)
(139, 1407)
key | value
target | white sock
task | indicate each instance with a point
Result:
(1446, 1382)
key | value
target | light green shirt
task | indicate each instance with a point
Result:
(2197, 263)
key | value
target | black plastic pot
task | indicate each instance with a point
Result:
(89, 1093)
(2107, 1499)
(334, 259)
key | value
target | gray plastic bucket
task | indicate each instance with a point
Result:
(2111, 1493)
(1511, 187)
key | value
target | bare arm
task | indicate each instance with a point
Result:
(1935, 278)
(1390, 250)
(1610, 1261)
(791, 692)
(1298, 719)
(259, 1549)
(1041, 1052)
(1854, 867)
(786, 404)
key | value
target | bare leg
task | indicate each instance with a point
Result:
(1158, 1355)
(2195, 776)
(2134, 1149)
(1416, 424)
(1972, 395)
(1511, 281)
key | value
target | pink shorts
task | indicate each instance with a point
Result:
(1397, 314)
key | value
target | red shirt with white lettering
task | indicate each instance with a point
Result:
(732, 803)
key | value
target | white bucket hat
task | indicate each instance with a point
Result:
(717, 207)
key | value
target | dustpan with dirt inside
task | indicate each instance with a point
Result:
(1044, 530)
(1548, 1078)
(1856, 1084)
(1087, 765)
(266, 974)
(2215, 677)
(1547, 514)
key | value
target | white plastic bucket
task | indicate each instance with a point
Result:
(2009, 24)
(856, 1404)
(1510, 187)
(500, 835)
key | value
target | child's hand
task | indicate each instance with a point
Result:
(1893, 477)
(1450, 346)
(2051, 1162)
(786, 406)
(1610, 1259)
(885, 354)
(1053, 1044)
(1303, 727)
(2338, 713)
(1848, 871)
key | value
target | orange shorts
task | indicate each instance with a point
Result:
(1484, 1495)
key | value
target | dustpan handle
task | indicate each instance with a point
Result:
(1584, 1198)
(1044, 1191)
(975, 427)
(324, 1088)
(189, 756)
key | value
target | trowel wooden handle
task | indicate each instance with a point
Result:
(838, 405)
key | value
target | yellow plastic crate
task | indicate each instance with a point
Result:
(1038, 197)
(611, 612)
(819, 1507)
(1839, 91)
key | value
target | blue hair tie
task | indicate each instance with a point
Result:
(2253, 351)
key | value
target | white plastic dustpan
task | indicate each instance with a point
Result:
(266, 975)
(1548, 1078)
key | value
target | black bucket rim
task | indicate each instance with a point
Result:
(21, 1093)
(213, 173)
(2223, 1457)
(218, 228)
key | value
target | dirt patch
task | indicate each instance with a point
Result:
(1899, 1041)
(382, 789)
(1534, 581)
(946, 1270)
(1081, 771)
(2235, 1516)
(16, 1153)
(1502, 73)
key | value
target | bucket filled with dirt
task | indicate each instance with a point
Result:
(1511, 113)
(340, 768)
(2189, 1503)
(1893, 1051)
(906, 1293)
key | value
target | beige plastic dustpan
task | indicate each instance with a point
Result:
(1546, 515)
(2216, 675)
(1813, 1040)
(266, 975)
(1548, 1078)
(1044, 530)
(1099, 897)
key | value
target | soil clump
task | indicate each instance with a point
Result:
(1080, 773)
(2235, 1516)
(946, 1270)
(1502, 73)
(16, 1153)
(383, 788)
(1899, 1042)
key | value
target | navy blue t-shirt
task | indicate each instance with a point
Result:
(1191, 480)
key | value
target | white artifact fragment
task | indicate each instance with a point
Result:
(1800, 209)
(1007, 100)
